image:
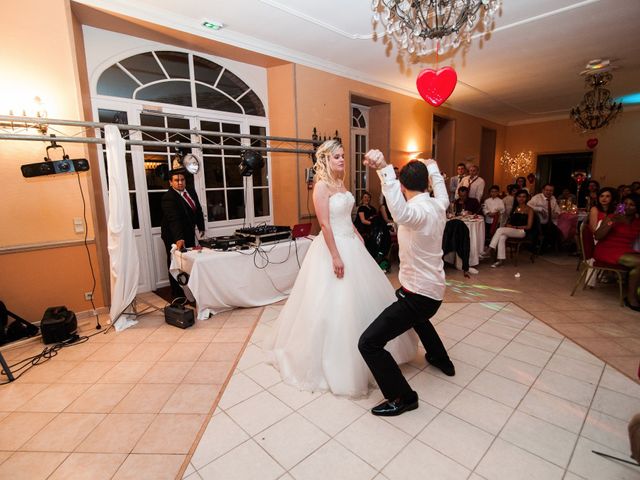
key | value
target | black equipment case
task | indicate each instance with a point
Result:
(58, 324)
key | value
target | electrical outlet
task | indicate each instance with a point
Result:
(78, 225)
(88, 295)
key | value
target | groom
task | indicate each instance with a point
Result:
(421, 220)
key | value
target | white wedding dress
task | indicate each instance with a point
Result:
(314, 343)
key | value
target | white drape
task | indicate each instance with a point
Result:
(123, 254)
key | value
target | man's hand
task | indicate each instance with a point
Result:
(374, 159)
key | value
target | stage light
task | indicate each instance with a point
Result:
(251, 160)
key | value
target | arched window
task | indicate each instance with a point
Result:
(165, 77)
(358, 119)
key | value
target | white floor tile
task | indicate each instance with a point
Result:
(485, 341)
(615, 404)
(513, 369)
(456, 439)
(332, 414)
(587, 372)
(434, 390)
(240, 388)
(498, 388)
(480, 411)
(515, 311)
(263, 374)
(452, 331)
(525, 353)
(375, 398)
(483, 310)
(533, 339)
(258, 412)
(614, 380)
(537, 326)
(594, 467)
(543, 439)
(188, 471)
(570, 349)
(465, 320)
(464, 373)
(335, 462)
(565, 387)
(497, 329)
(245, 462)
(373, 440)
(555, 410)
(291, 440)
(473, 355)
(506, 461)
(414, 421)
(513, 321)
(221, 435)
(292, 396)
(418, 460)
(607, 430)
(252, 356)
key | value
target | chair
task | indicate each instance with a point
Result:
(587, 270)
(514, 244)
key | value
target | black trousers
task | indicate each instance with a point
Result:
(176, 289)
(409, 311)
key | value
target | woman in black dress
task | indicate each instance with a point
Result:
(364, 215)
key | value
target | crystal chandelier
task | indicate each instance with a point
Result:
(420, 26)
(518, 165)
(597, 109)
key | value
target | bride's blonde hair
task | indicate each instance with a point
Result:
(321, 168)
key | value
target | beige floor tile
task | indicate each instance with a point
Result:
(145, 398)
(48, 372)
(17, 394)
(240, 321)
(198, 335)
(63, 433)
(18, 427)
(118, 433)
(192, 399)
(55, 398)
(31, 465)
(232, 335)
(208, 372)
(126, 372)
(80, 352)
(156, 467)
(148, 352)
(87, 372)
(132, 335)
(170, 433)
(164, 334)
(100, 398)
(221, 351)
(94, 466)
(183, 352)
(111, 352)
(167, 372)
(4, 456)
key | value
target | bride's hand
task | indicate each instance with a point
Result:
(338, 267)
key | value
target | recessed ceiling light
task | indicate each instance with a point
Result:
(212, 25)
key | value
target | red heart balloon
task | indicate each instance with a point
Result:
(436, 86)
(592, 143)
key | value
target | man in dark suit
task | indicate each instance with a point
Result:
(181, 214)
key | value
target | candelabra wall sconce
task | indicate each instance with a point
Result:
(25, 116)
(319, 139)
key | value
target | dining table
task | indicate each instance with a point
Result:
(475, 224)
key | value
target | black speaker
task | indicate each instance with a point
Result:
(54, 166)
(179, 316)
(58, 324)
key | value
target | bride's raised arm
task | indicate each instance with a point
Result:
(321, 194)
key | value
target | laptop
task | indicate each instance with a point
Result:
(301, 230)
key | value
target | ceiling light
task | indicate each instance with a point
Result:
(420, 26)
(212, 25)
(597, 109)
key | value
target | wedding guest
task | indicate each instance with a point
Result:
(567, 196)
(454, 181)
(605, 205)
(493, 209)
(635, 187)
(508, 202)
(616, 236)
(519, 225)
(521, 183)
(465, 203)
(546, 206)
(592, 193)
(364, 214)
(474, 183)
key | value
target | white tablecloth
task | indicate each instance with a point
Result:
(476, 237)
(220, 281)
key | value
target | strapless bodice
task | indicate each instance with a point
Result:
(340, 207)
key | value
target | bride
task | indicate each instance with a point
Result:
(339, 291)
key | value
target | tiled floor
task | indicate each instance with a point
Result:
(526, 402)
(134, 404)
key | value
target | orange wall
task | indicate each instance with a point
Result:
(616, 159)
(40, 211)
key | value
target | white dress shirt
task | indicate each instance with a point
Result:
(539, 203)
(491, 206)
(475, 185)
(421, 223)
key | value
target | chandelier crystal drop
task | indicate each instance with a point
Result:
(517, 165)
(422, 26)
(597, 109)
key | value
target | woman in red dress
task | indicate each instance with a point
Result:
(616, 236)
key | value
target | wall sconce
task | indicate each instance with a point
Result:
(36, 110)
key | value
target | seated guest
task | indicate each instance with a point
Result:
(615, 237)
(493, 208)
(508, 203)
(519, 225)
(465, 203)
(626, 191)
(635, 188)
(364, 215)
(592, 193)
(606, 205)
(567, 196)
(521, 184)
(546, 206)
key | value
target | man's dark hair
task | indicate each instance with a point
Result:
(494, 187)
(461, 165)
(463, 189)
(548, 185)
(177, 171)
(414, 176)
(511, 188)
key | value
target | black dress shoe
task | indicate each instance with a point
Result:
(394, 408)
(632, 307)
(446, 365)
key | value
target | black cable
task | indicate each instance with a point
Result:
(86, 246)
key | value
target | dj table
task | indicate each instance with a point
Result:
(220, 281)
